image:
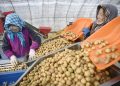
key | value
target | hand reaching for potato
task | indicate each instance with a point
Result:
(13, 60)
(31, 54)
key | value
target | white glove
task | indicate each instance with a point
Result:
(31, 54)
(13, 60)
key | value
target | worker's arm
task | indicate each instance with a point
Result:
(6, 47)
(36, 41)
(8, 51)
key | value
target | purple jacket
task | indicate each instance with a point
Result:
(10, 47)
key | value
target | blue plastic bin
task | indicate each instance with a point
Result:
(10, 77)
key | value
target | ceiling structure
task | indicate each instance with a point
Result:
(54, 13)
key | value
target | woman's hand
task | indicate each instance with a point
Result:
(31, 54)
(13, 60)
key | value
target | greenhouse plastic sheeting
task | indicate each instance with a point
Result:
(53, 13)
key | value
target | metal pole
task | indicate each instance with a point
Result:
(30, 11)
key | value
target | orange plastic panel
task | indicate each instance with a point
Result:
(111, 33)
(78, 26)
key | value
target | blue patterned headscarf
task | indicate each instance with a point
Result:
(17, 21)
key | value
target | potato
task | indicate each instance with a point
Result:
(71, 35)
(68, 82)
(68, 59)
(107, 60)
(87, 79)
(83, 81)
(67, 73)
(25, 78)
(87, 73)
(91, 65)
(73, 67)
(107, 50)
(88, 84)
(62, 81)
(77, 64)
(98, 52)
(96, 83)
(72, 75)
(113, 55)
(96, 42)
(87, 45)
(97, 77)
(96, 60)
(78, 70)
(70, 70)
(101, 46)
(79, 77)
(113, 49)
(78, 84)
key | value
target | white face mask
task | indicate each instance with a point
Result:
(14, 28)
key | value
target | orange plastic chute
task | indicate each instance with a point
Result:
(77, 27)
(110, 33)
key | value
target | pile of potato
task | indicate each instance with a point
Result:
(110, 56)
(104, 54)
(95, 44)
(52, 45)
(70, 35)
(54, 34)
(67, 68)
(9, 67)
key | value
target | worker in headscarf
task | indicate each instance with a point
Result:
(105, 13)
(18, 40)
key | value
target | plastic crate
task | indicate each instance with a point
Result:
(9, 78)
(44, 30)
(1, 27)
(8, 12)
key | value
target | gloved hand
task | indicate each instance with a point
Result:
(13, 60)
(86, 32)
(31, 54)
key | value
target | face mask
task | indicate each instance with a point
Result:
(14, 28)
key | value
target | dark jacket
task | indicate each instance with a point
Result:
(10, 48)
